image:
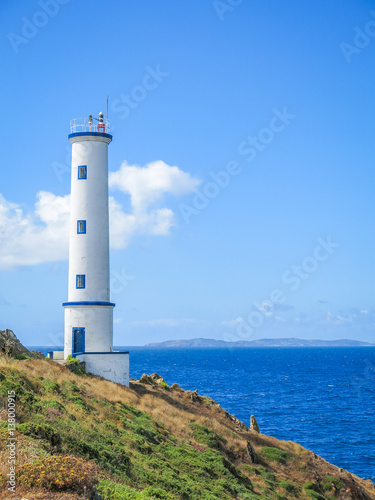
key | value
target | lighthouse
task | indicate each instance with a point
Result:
(88, 332)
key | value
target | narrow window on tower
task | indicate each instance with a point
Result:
(82, 172)
(80, 281)
(81, 227)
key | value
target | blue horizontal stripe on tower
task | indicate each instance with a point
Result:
(75, 354)
(87, 303)
(98, 134)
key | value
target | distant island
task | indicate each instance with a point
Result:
(288, 342)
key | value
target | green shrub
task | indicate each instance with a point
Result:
(270, 479)
(40, 431)
(77, 401)
(21, 357)
(127, 410)
(288, 486)
(151, 492)
(314, 495)
(70, 360)
(327, 486)
(269, 476)
(78, 371)
(54, 404)
(253, 471)
(10, 385)
(204, 435)
(312, 491)
(275, 454)
(51, 386)
(311, 486)
(115, 491)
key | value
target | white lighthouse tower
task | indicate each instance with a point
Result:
(89, 311)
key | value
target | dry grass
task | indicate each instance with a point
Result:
(176, 412)
(39, 495)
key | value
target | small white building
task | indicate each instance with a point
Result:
(89, 311)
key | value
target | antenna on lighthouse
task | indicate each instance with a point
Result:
(106, 118)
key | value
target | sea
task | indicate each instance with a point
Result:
(320, 397)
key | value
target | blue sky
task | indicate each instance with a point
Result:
(242, 165)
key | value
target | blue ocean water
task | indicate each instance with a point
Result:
(322, 398)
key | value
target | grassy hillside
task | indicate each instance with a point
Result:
(78, 434)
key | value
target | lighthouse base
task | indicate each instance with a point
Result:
(113, 366)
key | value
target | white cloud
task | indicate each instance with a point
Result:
(123, 226)
(147, 185)
(42, 235)
(350, 318)
(233, 322)
(39, 236)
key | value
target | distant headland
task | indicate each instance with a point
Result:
(287, 342)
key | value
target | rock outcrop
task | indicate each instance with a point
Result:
(254, 424)
(240, 426)
(195, 397)
(146, 379)
(158, 379)
(153, 379)
(12, 347)
(251, 452)
(175, 387)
